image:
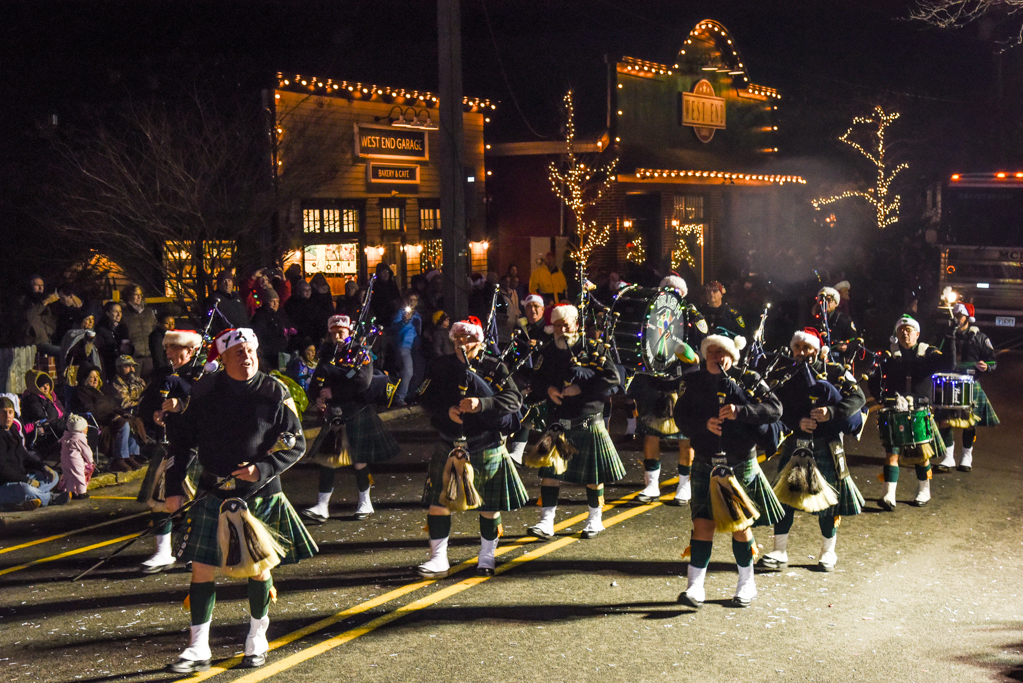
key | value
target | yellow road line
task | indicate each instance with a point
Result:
(71, 533)
(69, 553)
(113, 497)
(422, 603)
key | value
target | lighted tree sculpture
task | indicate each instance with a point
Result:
(580, 181)
(681, 251)
(886, 204)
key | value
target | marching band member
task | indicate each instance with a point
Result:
(353, 431)
(473, 403)
(576, 375)
(721, 418)
(905, 371)
(821, 401)
(180, 347)
(655, 411)
(532, 326)
(840, 326)
(234, 418)
(974, 354)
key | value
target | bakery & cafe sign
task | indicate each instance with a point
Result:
(386, 142)
(703, 110)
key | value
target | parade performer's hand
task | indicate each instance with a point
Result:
(171, 405)
(554, 395)
(982, 366)
(714, 425)
(571, 390)
(841, 347)
(247, 473)
(455, 414)
(728, 412)
(158, 418)
(174, 503)
(470, 405)
(821, 414)
(808, 424)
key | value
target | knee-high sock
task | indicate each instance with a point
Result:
(362, 478)
(699, 553)
(891, 473)
(784, 525)
(685, 470)
(439, 526)
(201, 598)
(162, 523)
(969, 437)
(259, 597)
(593, 496)
(488, 527)
(743, 551)
(549, 496)
(827, 524)
(922, 471)
(948, 435)
(327, 475)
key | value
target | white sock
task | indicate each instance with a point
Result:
(780, 552)
(695, 588)
(967, 459)
(595, 520)
(546, 523)
(923, 490)
(322, 506)
(652, 479)
(438, 561)
(255, 642)
(365, 506)
(746, 589)
(684, 490)
(163, 554)
(198, 643)
(487, 549)
(828, 556)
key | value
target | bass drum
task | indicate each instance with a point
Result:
(646, 325)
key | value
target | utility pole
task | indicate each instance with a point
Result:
(450, 159)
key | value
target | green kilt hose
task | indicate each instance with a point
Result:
(197, 537)
(747, 473)
(495, 478)
(369, 441)
(596, 461)
(850, 500)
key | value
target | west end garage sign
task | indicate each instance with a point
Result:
(385, 142)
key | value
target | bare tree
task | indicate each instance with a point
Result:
(173, 192)
(960, 13)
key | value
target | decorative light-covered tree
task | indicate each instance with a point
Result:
(886, 205)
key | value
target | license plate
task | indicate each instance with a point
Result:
(1005, 321)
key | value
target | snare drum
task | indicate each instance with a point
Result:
(949, 390)
(646, 326)
(905, 427)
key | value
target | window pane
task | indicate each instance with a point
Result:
(432, 255)
(350, 220)
(331, 220)
(310, 220)
(391, 216)
(429, 219)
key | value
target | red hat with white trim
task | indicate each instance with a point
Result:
(471, 326)
(808, 335)
(225, 340)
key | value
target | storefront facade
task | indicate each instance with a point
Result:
(373, 191)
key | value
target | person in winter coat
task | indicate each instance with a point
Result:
(272, 328)
(41, 414)
(109, 416)
(140, 321)
(112, 337)
(25, 482)
(76, 461)
(386, 297)
(230, 306)
(405, 332)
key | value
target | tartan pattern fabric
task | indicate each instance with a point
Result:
(597, 461)
(982, 408)
(496, 479)
(850, 500)
(753, 481)
(369, 441)
(643, 429)
(196, 538)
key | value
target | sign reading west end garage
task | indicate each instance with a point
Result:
(390, 143)
(703, 110)
(392, 173)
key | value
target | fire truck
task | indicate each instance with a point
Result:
(980, 235)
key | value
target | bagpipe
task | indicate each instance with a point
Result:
(247, 546)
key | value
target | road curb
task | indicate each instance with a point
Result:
(115, 478)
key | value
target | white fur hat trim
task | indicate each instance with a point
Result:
(731, 346)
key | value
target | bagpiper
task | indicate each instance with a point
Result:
(352, 433)
(721, 415)
(529, 339)
(975, 355)
(821, 403)
(244, 526)
(473, 404)
(576, 375)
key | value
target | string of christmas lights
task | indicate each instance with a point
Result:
(634, 250)
(681, 251)
(887, 209)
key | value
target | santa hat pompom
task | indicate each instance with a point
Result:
(675, 282)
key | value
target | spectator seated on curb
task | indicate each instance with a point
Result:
(42, 415)
(25, 482)
(113, 421)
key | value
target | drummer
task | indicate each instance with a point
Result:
(905, 372)
(974, 354)
(656, 421)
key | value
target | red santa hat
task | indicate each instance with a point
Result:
(185, 338)
(230, 337)
(471, 326)
(675, 281)
(339, 321)
(808, 335)
(964, 309)
(560, 312)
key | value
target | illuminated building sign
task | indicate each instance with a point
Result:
(390, 143)
(332, 259)
(392, 173)
(703, 110)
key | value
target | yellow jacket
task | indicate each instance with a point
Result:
(543, 281)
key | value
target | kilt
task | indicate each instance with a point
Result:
(649, 396)
(496, 479)
(753, 481)
(596, 462)
(850, 500)
(196, 538)
(918, 454)
(369, 441)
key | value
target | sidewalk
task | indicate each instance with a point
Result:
(114, 478)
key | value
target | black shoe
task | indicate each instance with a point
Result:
(964, 468)
(60, 498)
(589, 533)
(539, 533)
(83, 496)
(253, 661)
(920, 503)
(684, 599)
(484, 571)
(156, 568)
(189, 666)
(942, 468)
(885, 505)
(648, 499)
(676, 502)
(629, 437)
(771, 563)
(740, 603)
(312, 517)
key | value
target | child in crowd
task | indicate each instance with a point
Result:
(76, 457)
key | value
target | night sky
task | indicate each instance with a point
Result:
(830, 60)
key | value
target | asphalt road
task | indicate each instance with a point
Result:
(919, 594)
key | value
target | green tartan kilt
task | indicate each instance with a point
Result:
(644, 429)
(645, 392)
(911, 454)
(369, 441)
(850, 500)
(596, 462)
(983, 411)
(196, 538)
(496, 479)
(753, 481)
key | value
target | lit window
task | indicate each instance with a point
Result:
(429, 219)
(391, 217)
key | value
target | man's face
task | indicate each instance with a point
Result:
(466, 345)
(6, 417)
(907, 336)
(125, 370)
(964, 322)
(240, 361)
(339, 334)
(225, 285)
(513, 271)
(178, 355)
(167, 322)
(565, 327)
(831, 303)
(38, 286)
(713, 297)
(549, 260)
(718, 359)
(534, 312)
(273, 303)
(114, 314)
(136, 297)
(803, 351)
(412, 301)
